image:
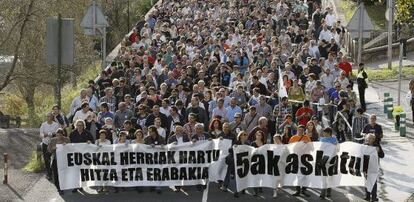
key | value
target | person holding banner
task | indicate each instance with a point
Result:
(241, 140)
(80, 135)
(258, 142)
(153, 139)
(59, 139)
(371, 140)
(178, 136)
(227, 133)
(99, 142)
(139, 137)
(261, 127)
(327, 138)
(199, 133)
(277, 139)
(300, 137)
(122, 139)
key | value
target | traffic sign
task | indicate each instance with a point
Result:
(354, 26)
(93, 20)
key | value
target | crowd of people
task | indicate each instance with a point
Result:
(199, 70)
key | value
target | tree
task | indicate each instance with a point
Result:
(33, 75)
(405, 11)
(18, 20)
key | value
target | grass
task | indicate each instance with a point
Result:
(387, 74)
(35, 164)
(375, 11)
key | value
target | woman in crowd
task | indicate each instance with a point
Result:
(258, 142)
(59, 139)
(311, 131)
(100, 142)
(215, 128)
(139, 137)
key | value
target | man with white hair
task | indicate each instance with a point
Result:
(199, 133)
(77, 102)
(262, 127)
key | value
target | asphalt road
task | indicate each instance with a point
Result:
(19, 144)
(44, 191)
(23, 186)
(392, 87)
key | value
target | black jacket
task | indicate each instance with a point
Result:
(85, 136)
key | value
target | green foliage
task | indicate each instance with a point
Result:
(375, 10)
(13, 104)
(45, 99)
(405, 11)
(35, 164)
(141, 8)
(387, 74)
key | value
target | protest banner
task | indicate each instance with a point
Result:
(129, 165)
(316, 165)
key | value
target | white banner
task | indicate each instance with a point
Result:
(316, 165)
(141, 165)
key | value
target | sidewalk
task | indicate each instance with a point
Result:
(396, 181)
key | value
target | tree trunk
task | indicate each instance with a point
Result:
(31, 108)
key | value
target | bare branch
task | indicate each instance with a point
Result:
(17, 47)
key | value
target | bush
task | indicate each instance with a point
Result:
(387, 74)
(35, 165)
(14, 105)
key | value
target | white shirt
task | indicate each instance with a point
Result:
(165, 111)
(81, 115)
(327, 81)
(47, 128)
(180, 139)
(330, 19)
(106, 142)
(290, 74)
(161, 132)
(263, 80)
(344, 82)
(76, 103)
(327, 35)
(330, 64)
(314, 51)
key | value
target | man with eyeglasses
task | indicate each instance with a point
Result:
(237, 124)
